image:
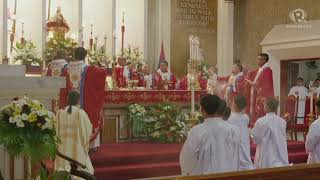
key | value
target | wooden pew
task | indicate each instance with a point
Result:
(296, 172)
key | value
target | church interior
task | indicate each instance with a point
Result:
(117, 89)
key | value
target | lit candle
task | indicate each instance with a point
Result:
(190, 44)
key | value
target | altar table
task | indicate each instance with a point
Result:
(116, 103)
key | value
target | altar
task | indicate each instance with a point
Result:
(115, 112)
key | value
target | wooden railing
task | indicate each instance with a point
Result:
(297, 172)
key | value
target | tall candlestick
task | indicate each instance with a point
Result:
(105, 45)
(114, 44)
(22, 40)
(123, 29)
(91, 37)
(192, 98)
(5, 29)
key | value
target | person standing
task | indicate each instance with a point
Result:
(241, 120)
(261, 87)
(74, 131)
(302, 92)
(269, 133)
(313, 139)
(212, 146)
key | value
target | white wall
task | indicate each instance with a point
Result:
(134, 22)
(98, 13)
(30, 13)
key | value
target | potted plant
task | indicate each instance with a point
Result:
(26, 54)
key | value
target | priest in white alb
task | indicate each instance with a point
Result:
(74, 131)
(212, 146)
(302, 92)
(269, 133)
(313, 139)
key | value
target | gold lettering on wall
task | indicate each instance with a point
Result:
(196, 17)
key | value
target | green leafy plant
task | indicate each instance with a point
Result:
(137, 119)
(26, 53)
(59, 41)
(27, 130)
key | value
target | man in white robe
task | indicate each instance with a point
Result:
(241, 120)
(313, 139)
(212, 146)
(74, 130)
(269, 133)
(302, 92)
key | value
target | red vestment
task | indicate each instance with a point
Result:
(159, 82)
(93, 96)
(120, 77)
(263, 89)
(184, 85)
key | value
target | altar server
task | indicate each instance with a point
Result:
(302, 92)
(74, 131)
(212, 146)
(241, 120)
(269, 133)
(313, 139)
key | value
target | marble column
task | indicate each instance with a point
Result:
(225, 36)
(5, 28)
(159, 29)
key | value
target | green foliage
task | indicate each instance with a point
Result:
(165, 123)
(26, 53)
(59, 41)
(27, 130)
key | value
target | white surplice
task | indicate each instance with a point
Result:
(74, 131)
(303, 93)
(242, 121)
(269, 133)
(211, 147)
(313, 142)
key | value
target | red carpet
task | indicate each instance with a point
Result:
(141, 160)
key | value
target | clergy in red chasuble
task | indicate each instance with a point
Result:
(184, 83)
(90, 82)
(261, 87)
(235, 84)
(56, 68)
(122, 73)
(164, 79)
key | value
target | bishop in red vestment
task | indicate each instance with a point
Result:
(261, 87)
(164, 79)
(90, 82)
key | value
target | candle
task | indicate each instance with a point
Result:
(114, 36)
(105, 44)
(192, 98)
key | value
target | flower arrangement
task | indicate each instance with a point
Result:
(137, 119)
(166, 124)
(27, 129)
(133, 55)
(26, 53)
(98, 57)
(59, 41)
